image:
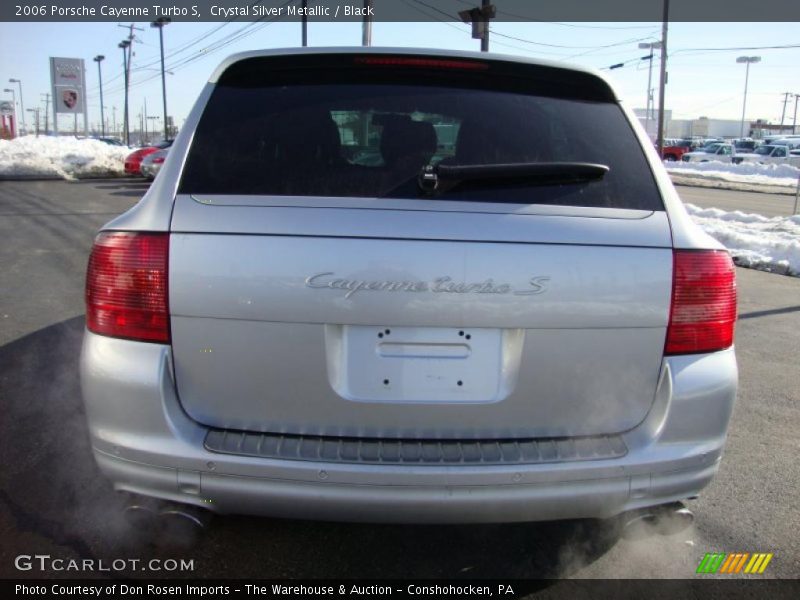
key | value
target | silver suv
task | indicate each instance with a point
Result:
(409, 286)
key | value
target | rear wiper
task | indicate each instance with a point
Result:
(437, 179)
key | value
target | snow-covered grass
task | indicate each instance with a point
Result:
(64, 157)
(773, 174)
(756, 241)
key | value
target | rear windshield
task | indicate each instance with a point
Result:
(369, 132)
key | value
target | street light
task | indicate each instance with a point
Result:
(159, 24)
(649, 46)
(746, 60)
(124, 44)
(21, 102)
(98, 59)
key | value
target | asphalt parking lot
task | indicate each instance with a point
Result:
(53, 500)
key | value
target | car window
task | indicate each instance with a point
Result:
(370, 133)
(780, 152)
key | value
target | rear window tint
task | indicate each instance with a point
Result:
(369, 133)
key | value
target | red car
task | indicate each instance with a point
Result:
(133, 162)
(676, 149)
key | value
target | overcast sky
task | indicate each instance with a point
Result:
(702, 81)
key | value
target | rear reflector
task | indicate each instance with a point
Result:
(126, 286)
(421, 63)
(703, 310)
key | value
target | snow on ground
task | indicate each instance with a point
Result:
(64, 157)
(772, 174)
(756, 241)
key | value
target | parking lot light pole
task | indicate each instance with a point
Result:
(159, 24)
(746, 60)
(98, 59)
(21, 102)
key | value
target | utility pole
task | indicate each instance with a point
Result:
(662, 81)
(125, 125)
(366, 26)
(159, 23)
(46, 111)
(114, 113)
(786, 96)
(649, 110)
(794, 120)
(98, 59)
(479, 17)
(304, 22)
(127, 53)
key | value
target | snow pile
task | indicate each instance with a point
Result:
(768, 174)
(754, 240)
(63, 157)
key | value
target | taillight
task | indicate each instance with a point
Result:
(126, 286)
(703, 311)
(158, 161)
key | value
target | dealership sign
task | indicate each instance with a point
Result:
(68, 81)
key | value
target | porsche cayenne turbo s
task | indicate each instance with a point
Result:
(409, 286)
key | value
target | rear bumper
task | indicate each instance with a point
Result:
(145, 443)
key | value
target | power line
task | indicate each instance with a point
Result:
(239, 34)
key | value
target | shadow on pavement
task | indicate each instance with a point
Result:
(53, 500)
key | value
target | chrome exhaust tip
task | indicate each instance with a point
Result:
(674, 518)
(140, 517)
(191, 518)
(182, 524)
(667, 519)
(639, 524)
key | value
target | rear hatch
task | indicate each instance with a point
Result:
(339, 265)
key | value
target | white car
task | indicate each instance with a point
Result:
(770, 154)
(717, 151)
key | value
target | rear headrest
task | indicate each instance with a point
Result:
(407, 141)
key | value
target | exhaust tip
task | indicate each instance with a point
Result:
(182, 525)
(668, 519)
(674, 519)
(638, 524)
(140, 517)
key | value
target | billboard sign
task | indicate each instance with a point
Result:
(68, 80)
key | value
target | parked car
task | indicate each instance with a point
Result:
(675, 149)
(151, 164)
(523, 330)
(772, 139)
(745, 145)
(133, 162)
(791, 143)
(111, 141)
(714, 151)
(769, 154)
